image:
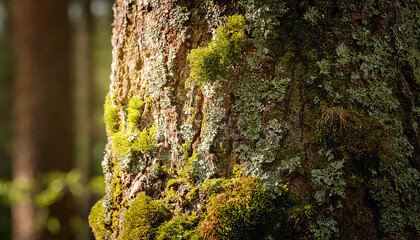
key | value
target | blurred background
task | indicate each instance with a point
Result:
(55, 59)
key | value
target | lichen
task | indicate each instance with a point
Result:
(324, 228)
(180, 16)
(198, 169)
(264, 18)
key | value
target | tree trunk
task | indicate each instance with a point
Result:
(262, 120)
(84, 94)
(43, 108)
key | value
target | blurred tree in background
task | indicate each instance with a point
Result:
(43, 109)
(5, 113)
(78, 33)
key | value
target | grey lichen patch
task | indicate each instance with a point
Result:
(214, 113)
(264, 18)
(332, 180)
(324, 228)
(180, 16)
(187, 132)
(252, 92)
(157, 76)
(291, 165)
(199, 169)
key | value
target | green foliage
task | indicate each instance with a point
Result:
(219, 57)
(96, 220)
(245, 210)
(110, 116)
(142, 218)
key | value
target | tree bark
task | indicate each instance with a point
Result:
(43, 139)
(303, 112)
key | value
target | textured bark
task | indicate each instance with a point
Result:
(320, 97)
(43, 139)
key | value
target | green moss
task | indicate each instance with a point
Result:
(171, 194)
(245, 210)
(219, 57)
(96, 220)
(146, 141)
(120, 145)
(115, 184)
(131, 148)
(359, 138)
(186, 149)
(213, 185)
(110, 116)
(179, 228)
(142, 218)
(133, 112)
(192, 196)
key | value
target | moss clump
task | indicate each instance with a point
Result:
(179, 228)
(146, 141)
(110, 116)
(120, 146)
(130, 148)
(218, 58)
(213, 185)
(244, 210)
(96, 220)
(359, 138)
(142, 218)
(133, 113)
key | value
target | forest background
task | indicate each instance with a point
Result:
(98, 41)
